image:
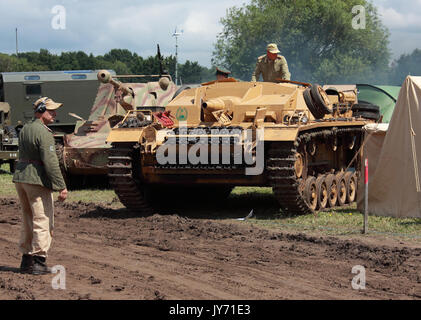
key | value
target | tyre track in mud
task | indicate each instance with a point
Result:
(111, 254)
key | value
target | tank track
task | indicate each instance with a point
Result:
(122, 178)
(287, 188)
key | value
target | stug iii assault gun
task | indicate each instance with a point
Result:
(84, 153)
(294, 137)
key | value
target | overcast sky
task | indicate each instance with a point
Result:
(96, 26)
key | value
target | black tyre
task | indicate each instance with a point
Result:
(311, 106)
(367, 115)
(365, 106)
(321, 100)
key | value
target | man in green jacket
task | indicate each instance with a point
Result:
(37, 175)
(271, 66)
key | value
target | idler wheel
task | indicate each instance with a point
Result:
(342, 189)
(322, 193)
(332, 187)
(351, 186)
(310, 193)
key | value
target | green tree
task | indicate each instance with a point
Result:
(316, 37)
(407, 64)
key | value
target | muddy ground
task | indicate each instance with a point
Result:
(113, 254)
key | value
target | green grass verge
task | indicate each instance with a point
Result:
(7, 189)
(344, 221)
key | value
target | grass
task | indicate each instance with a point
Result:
(343, 221)
(7, 189)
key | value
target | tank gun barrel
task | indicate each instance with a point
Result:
(105, 77)
(128, 94)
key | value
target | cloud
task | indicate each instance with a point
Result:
(398, 20)
(97, 26)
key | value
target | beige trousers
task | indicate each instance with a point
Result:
(38, 218)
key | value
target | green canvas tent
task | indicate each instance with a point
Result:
(383, 96)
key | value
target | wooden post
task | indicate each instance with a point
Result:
(365, 230)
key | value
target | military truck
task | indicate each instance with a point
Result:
(83, 154)
(293, 137)
(19, 90)
(8, 137)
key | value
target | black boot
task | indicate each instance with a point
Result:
(26, 264)
(40, 266)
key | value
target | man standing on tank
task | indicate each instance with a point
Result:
(271, 66)
(37, 175)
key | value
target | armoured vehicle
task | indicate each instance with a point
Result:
(83, 154)
(8, 137)
(294, 137)
(19, 90)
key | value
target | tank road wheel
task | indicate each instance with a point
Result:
(310, 192)
(322, 193)
(342, 189)
(332, 187)
(351, 186)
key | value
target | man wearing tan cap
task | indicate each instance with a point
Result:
(271, 66)
(37, 175)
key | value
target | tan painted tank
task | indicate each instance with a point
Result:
(84, 153)
(294, 137)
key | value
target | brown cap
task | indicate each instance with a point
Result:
(49, 103)
(272, 48)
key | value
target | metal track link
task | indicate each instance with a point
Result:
(280, 166)
(120, 174)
